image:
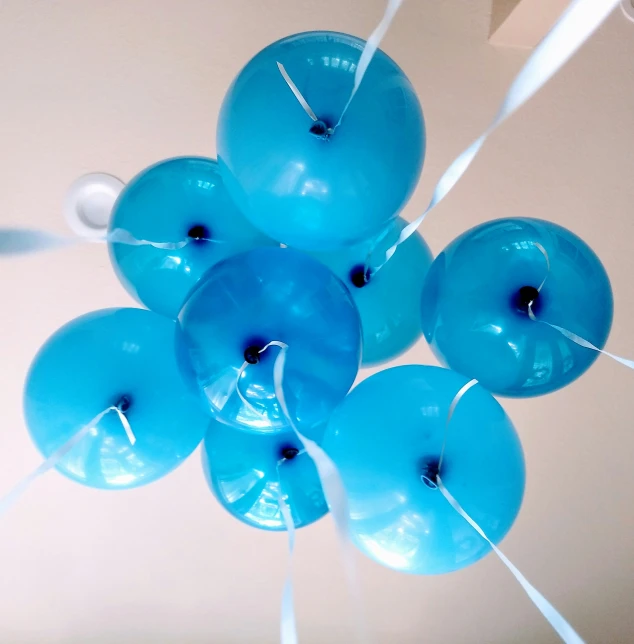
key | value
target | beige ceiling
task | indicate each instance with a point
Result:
(108, 85)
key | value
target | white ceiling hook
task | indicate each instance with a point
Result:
(89, 202)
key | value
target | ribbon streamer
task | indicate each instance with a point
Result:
(573, 337)
(333, 489)
(288, 627)
(574, 27)
(371, 45)
(556, 620)
(21, 241)
(7, 501)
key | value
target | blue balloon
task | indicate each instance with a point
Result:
(475, 306)
(389, 300)
(120, 357)
(294, 180)
(386, 439)
(248, 472)
(175, 201)
(265, 295)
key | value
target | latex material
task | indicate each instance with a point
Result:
(263, 295)
(382, 437)
(312, 192)
(163, 204)
(389, 302)
(471, 317)
(247, 472)
(89, 365)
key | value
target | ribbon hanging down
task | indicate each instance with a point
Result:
(22, 241)
(7, 501)
(580, 20)
(552, 615)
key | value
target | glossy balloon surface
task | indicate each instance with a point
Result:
(309, 191)
(181, 201)
(247, 472)
(475, 323)
(383, 436)
(264, 295)
(388, 301)
(90, 364)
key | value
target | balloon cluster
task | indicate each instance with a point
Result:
(276, 247)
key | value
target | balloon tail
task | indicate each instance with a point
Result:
(552, 615)
(10, 499)
(578, 22)
(334, 491)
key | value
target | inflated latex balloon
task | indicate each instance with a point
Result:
(182, 206)
(388, 300)
(114, 357)
(386, 439)
(476, 300)
(272, 295)
(294, 178)
(248, 472)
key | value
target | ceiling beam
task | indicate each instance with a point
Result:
(523, 23)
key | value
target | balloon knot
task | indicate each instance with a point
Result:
(429, 472)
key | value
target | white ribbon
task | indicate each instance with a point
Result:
(288, 627)
(573, 337)
(573, 28)
(371, 45)
(335, 494)
(21, 241)
(556, 620)
(298, 95)
(7, 501)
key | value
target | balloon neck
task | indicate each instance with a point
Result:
(124, 402)
(289, 453)
(321, 130)
(360, 275)
(430, 468)
(199, 233)
(252, 354)
(527, 297)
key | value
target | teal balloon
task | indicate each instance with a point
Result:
(388, 300)
(386, 439)
(183, 202)
(262, 296)
(124, 357)
(475, 306)
(292, 178)
(248, 472)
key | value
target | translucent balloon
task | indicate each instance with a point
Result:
(296, 181)
(265, 295)
(248, 472)
(475, 306)
(388, 301)
(386, 439)
(113, 357)
(180, 203)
